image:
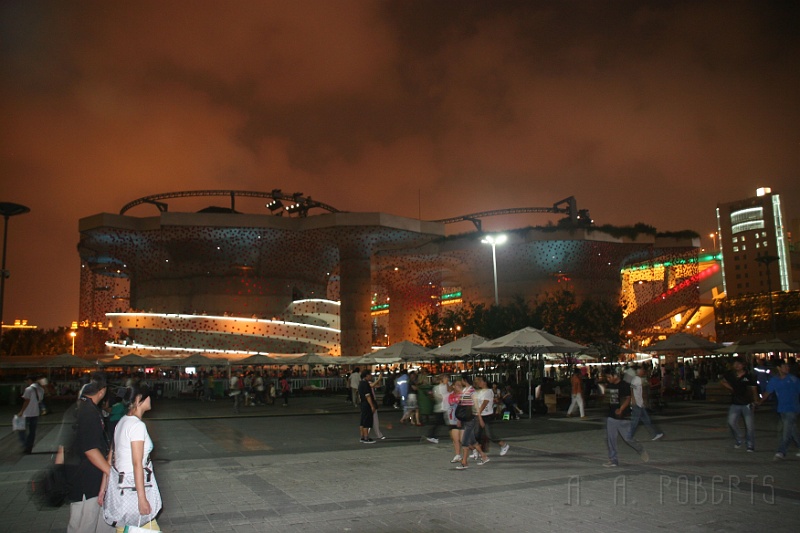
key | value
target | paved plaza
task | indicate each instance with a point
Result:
(301, 468)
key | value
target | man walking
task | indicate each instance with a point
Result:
(786, 387)
(368, 406)
(744, 394)
(617, 423)
(576, 382)
(89, 452)
(639, 405)
(440, 393)
(30, 412)
(354, 379)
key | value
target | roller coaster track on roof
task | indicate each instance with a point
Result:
(566, 206)
(275, 194)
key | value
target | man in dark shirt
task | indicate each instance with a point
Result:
(368, 406)
(89, 451)
(618, 422)
(744, 394)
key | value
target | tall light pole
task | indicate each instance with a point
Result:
(494, 240)
(714, 239)
(73, 335)
(8, 210)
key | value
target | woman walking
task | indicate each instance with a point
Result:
(131, 458)
(470, 426)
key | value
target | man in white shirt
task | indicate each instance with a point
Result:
(639, 405)
(30, 411)
(355, 379)
(440, 393)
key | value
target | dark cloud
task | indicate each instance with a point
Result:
(645, 111)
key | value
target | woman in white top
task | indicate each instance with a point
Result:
(132, 448)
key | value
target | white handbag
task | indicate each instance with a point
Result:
(121, 506)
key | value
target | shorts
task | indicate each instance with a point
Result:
(411, 402)
(468, 438)
(366, 416)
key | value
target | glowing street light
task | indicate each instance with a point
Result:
(714, 239)
(73, 335)
(494, 241)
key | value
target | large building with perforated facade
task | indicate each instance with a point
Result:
(222, 281)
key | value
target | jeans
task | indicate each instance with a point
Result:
(621, 427)
(577, 400)
(28, 437)
(789, 421)
(745, 412)
(640, 414)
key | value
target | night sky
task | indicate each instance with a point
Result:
(645, 112)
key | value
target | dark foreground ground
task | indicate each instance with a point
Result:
(302, 468)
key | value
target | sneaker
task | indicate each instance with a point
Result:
(456, 459)
(610, 464)
(583, 418)
(474, 455)
(483, 461)
(797, 454)
(658, 436)
(368, 441)
(382, 438)
(433, 440)
(461, 467)
(737, 445)
(751, 450)
(504, 449)
(779, 456)
(645, 456)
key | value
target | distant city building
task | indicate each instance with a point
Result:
(757, 271)
(754, 244)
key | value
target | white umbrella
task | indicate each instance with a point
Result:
(197, 359)
(683, 342)
(405, 350)
(313, 359)
(132, 360)
(459, 349)
(530, 341)
(258, 359)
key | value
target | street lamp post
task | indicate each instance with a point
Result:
(714, 239)
(8, 210)
(73, 335)
(494, 241)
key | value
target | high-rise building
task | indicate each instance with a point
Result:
(754, 244)
(761, 297)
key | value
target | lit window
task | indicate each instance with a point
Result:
(744, 247)
(736, 249)
(736, 239)
(764, 244)
(744, 238)
(758, 245)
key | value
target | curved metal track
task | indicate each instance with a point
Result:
(276, 194)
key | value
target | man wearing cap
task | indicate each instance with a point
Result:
(786, 387)
(31, 397)
(618, 393)
(744, 394)
(89, 452)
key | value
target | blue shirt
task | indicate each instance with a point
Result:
(788, 391)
